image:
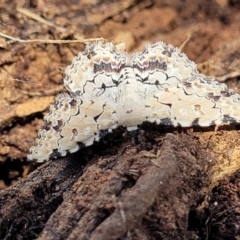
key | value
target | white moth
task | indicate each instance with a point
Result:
(108, 88)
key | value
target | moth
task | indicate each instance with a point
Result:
(108, 88)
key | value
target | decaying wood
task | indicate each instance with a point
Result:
(134, 193)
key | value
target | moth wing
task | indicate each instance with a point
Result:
(70, 125)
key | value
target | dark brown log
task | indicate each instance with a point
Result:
(138, 193)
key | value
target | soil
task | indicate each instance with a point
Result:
(166, 183)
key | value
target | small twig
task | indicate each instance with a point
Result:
(50, 92)
(49, 40)
(34, 16)
(4, 24)
(23, 81)
(186, 41)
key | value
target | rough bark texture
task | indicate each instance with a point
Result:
(133, 194)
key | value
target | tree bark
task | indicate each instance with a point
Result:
(135, 191)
